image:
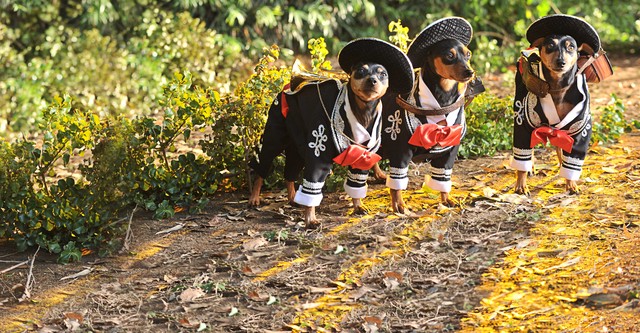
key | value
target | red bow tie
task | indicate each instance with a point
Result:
(429, 135)
(357, 157)
(556, 137)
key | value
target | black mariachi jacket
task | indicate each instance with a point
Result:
(313, 125)
(533, 112)
(399, 126)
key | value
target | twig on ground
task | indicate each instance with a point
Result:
(14, 266)
(129, 234)
(30, 281)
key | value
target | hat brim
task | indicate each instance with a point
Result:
(445, 28)
(380, 52)
(561, 24)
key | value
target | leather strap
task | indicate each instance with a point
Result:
(428, 112)
(474, 87)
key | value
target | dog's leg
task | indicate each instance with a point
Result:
(571, 186)
(291, 190)
(378, 173)
(397, 203)
(310, 220)
(254, 198)
(521, 183)
(446, 200)
(358, 208)
(559, 153)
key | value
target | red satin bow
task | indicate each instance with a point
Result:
(429, 135)
(357, 157)
(556, 137)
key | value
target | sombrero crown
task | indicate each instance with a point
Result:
(378, 51)
(561, 24)
(444, 28)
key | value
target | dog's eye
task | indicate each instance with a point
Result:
(570, 48)
(450, 55)
(469, 54)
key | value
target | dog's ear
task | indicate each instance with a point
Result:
(538, 42)
(585, 48)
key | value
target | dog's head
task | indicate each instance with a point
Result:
(559, 54)
(449, 59)
(369, 81)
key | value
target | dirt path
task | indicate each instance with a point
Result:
(498, 262)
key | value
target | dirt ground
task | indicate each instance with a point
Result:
(498, 262)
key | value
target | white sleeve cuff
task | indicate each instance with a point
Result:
(356, 192)
(440, 186)
(569, 173)
(397, 184)
(309, 200)
(521, 165)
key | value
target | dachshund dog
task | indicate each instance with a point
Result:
(321, 123)
(430, 123)
(552, 100)
(558, 60)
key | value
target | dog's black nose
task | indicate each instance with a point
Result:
(469, 72)
(373, 80)
(560, 62)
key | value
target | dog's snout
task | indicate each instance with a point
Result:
(560, 62)
(469, 72)
(373, 80)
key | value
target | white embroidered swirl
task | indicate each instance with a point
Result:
(321, 138)
(394, 128)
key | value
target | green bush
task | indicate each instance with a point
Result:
(489, 126)
(612, 123)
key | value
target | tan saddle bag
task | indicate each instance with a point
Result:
(596, 67)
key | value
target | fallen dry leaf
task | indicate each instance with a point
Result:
(191, 294)
(254, 244)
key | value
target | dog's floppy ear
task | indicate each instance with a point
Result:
(585, 48)
(538, 42)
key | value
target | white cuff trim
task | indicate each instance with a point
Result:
(521, 165)
(310, 200)
(569, 174)
(356, 192)
(437, 185)
(397, 184)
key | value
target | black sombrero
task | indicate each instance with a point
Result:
(444, 28)
(378, 51)
(561, 24)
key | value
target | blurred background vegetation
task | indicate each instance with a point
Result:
(114, 56)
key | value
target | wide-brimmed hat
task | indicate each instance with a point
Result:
(561, 24)
(445, 28)
(386, 54)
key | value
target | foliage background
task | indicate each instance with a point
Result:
(98, 96)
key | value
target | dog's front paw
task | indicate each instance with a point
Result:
(291, 192)
(446, 200)
(522, 190)
(521, 183)
(310, 220)
(360, 210)
(572, 187)
(254, 201)
(254, 197)
(397, 203)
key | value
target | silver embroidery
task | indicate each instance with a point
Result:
(519, 112)
(394, 128)
(321, 138)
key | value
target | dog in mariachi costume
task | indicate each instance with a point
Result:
(324, 122)
(429, 124)
(552, 97)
